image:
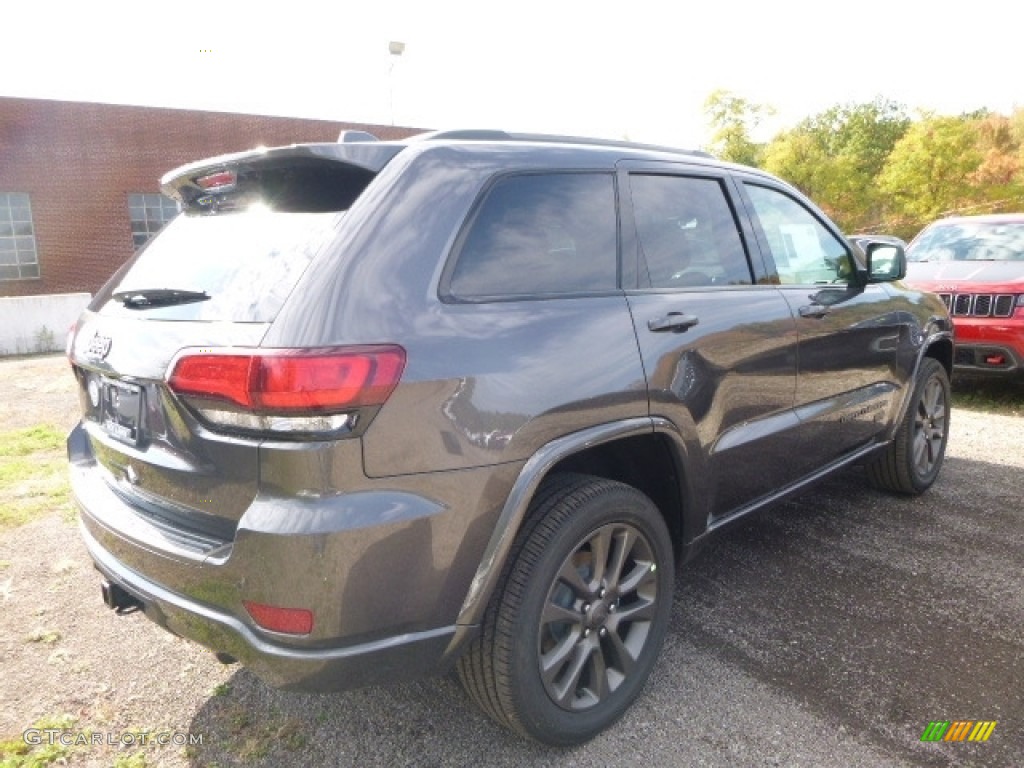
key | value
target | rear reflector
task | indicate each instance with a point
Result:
(292, 381)
(293, 621)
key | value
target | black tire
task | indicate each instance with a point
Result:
(587, 593)
(914, 458)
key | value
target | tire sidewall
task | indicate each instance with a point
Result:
(541, 716)
(931, 370)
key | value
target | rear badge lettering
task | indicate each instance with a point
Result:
(99, 346)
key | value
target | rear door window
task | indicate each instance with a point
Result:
(537, 235)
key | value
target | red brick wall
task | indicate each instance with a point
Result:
(79, 162)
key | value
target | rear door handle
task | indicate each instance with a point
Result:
(814, 310)
(673, 321)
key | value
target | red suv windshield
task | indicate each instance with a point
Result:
(970, 241)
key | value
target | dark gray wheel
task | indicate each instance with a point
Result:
(913, 460)
(571, 638)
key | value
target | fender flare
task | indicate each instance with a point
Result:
(935, 337)
(537, 467)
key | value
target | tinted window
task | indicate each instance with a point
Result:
(540, 234)
(804, 251)
(687, 232)
(247, 262)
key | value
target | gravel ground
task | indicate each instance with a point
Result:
(827, 631)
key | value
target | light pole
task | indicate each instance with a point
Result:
(396, 49)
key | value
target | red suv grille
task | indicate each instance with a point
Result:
(979, 304)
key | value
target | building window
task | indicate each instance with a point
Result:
(149, 213)
(18, 256)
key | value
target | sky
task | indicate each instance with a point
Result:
(630, 69)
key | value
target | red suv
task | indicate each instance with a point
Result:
(976, 264)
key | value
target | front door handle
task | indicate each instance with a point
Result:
(673, 321)
(814, 310)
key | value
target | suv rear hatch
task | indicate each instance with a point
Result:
(173, 385)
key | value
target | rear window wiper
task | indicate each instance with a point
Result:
(158, 297)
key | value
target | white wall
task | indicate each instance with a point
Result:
(31, 324)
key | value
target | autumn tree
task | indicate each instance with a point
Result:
(834, 157)
(998, 180)
(872, 168)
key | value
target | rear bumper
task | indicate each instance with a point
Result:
(399, 657)
(383, 568)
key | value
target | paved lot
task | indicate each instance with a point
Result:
(827, 631)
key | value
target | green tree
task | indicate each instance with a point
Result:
(933, 169)
(835, 156)
(733, 119)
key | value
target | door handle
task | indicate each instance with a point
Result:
(673, 321)
(814, 310)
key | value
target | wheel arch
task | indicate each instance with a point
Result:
(646, 453)
(939, 346)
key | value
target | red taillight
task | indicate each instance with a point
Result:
(293, 381)
(294, 621)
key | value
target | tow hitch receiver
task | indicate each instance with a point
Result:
(118, 599)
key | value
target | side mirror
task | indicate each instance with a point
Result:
(885, 261)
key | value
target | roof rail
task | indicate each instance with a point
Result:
(544, 138)
(468, 134)
(350, 137)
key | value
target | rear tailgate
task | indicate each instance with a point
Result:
(140, 440)
(214, 279)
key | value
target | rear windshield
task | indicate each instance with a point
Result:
(970, 241)
(239, 266)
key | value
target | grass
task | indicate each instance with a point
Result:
(45, 636)
(16, 753)
(41, 745)
(1003, 395)
(33, 475)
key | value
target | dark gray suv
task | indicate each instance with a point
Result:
(371, 410)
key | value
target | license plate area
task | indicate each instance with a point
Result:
(121, 410)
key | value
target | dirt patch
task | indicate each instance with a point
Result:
(64, 656)
(62, 653)
(37, 390)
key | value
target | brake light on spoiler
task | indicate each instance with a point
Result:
(221, 181)
(298, 391)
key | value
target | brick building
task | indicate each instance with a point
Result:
(79, 183)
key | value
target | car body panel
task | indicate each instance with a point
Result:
(728, 385)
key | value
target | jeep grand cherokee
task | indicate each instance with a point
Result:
(370, 410)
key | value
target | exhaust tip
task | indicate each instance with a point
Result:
(117, 599)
